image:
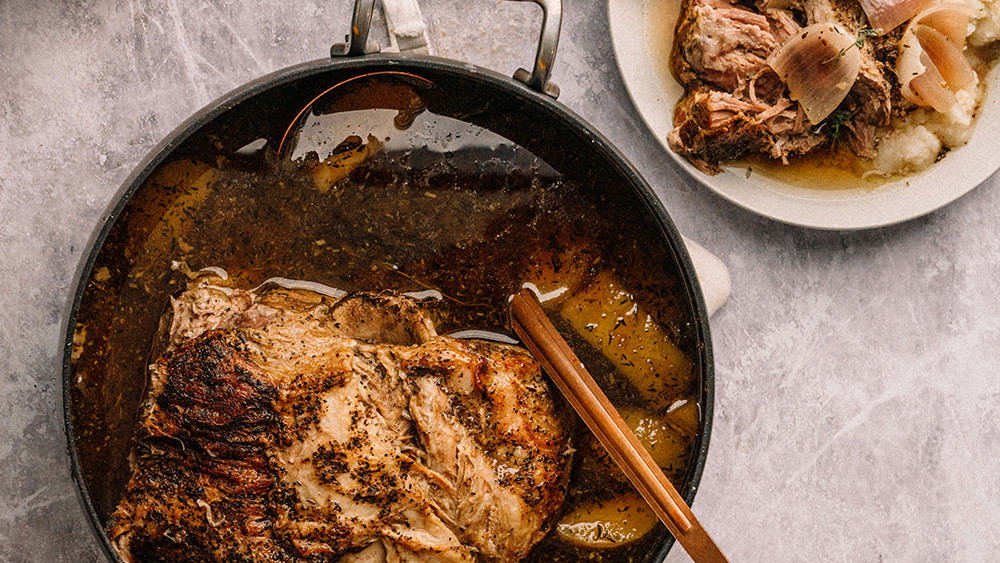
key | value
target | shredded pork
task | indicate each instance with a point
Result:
(735, 106)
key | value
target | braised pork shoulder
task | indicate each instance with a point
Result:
(289, 425)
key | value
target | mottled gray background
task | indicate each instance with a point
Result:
(858, 386)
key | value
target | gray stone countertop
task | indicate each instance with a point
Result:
(858, 373)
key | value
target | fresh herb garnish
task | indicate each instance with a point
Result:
(862, 34)
(836, 121)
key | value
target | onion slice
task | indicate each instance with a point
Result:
(947, 57)
(887, 15)
(931, 66)
(950, 18)
(930, 89)
(819, 65)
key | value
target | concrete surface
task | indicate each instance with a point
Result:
(857, 413)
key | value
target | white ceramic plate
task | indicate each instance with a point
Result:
(641, 36)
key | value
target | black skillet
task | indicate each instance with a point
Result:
(119, 297)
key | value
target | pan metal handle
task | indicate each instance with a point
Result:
(538, 79)
(357, 43)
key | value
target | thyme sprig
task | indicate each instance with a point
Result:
(862, 34)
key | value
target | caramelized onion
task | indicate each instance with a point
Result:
(887, 15)
(819, 65)
(931, 66)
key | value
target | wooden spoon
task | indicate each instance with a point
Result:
(541, 338)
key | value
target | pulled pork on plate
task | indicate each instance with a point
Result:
(785, 78)
(290, 425)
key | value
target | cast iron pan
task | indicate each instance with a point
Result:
(535, 151)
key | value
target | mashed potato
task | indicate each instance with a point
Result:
(906, 150)
(917, 140)
(985, 22)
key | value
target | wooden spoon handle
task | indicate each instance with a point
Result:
(558, 360)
